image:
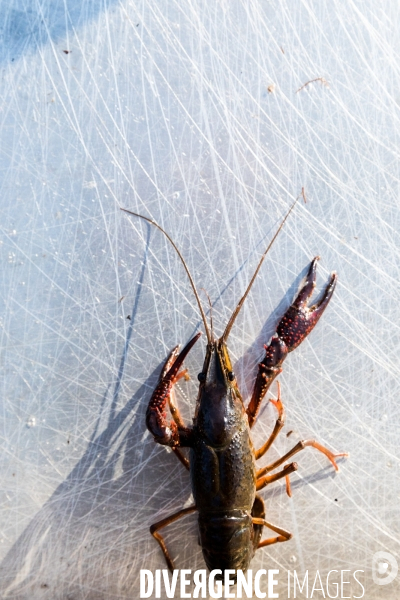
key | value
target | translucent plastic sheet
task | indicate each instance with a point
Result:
(191, 113)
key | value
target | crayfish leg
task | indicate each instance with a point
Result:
(263, 480)
(298, 448)
(181, 458)
(167, 521)
(259, 522)
(278, 425)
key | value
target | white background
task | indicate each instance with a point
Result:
(164, 108)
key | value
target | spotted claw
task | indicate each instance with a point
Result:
(299, 320)
(164, 432)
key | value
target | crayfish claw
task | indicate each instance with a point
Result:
(308, 287)
(323, 302)
(170, 361)
(164, 432)
(299, 320)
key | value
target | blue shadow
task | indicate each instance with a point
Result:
(27, 25)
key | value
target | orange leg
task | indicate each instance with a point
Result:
(261, 481)
(167, 521)
(283, 536)
(298, 448)
(278, 425)
(288, 486)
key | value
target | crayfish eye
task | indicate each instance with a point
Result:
(231, 375)
(201, 377)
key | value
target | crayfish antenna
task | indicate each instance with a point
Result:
(203, 316)
(211, 317)
(235, 313)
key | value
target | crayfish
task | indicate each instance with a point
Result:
(222, 459)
